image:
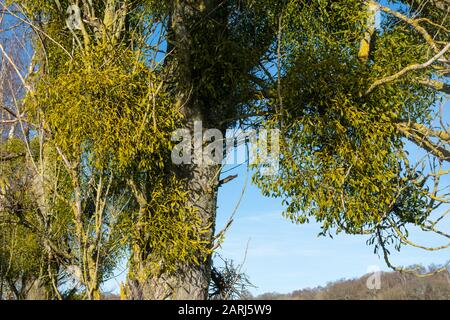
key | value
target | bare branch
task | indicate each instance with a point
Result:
(436, 85)
(421, 136)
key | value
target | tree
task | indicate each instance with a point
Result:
(111, 80)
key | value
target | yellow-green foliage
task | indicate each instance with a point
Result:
(342, 159)
(106, 107)
(108, 112)
(21, 251)
(167, 232)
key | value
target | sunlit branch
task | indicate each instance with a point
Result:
(408, 69)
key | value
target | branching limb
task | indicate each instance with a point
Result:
(421, 136)
(408, 69)
(436, 85)
(412, 22)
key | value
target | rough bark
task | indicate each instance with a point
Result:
(39, 290)
(189, 282)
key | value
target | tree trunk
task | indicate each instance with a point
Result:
(191, 30)
(189, 282)
(39, 290)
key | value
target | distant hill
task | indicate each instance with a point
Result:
(394, 286)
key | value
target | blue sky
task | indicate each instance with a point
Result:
(279, 256)
(282, 256)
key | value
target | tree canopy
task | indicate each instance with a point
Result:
(91, 92)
